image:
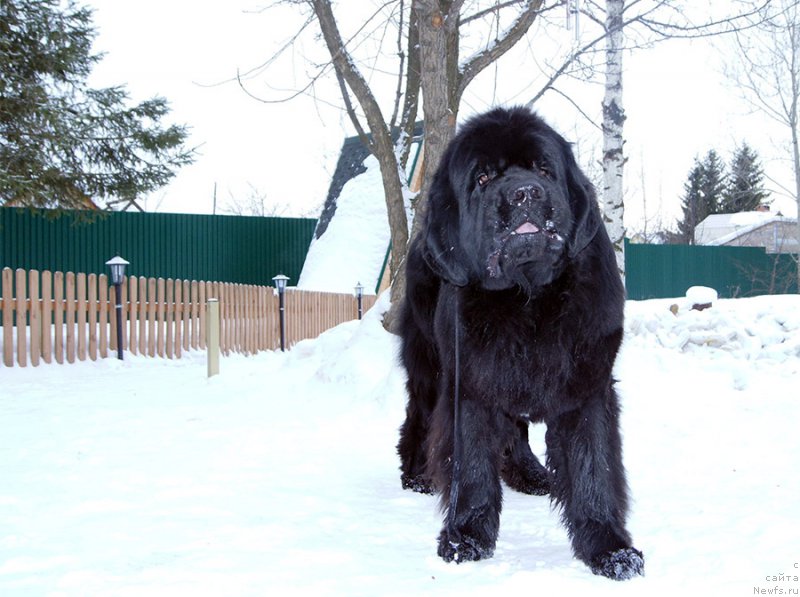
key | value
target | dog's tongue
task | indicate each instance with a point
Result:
(526, 228)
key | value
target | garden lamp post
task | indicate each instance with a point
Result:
(117, 265)
(359, 296)
(280, 284)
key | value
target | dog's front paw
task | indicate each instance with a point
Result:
(620, 564)
(417, 483)
(465, 549)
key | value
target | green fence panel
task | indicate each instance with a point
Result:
(240, 249)
(666, 271)
(251, 250)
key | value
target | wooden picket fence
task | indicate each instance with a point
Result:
(64, 317)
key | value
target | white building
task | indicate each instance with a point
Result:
(775, 232)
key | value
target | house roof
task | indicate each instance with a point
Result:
(718, 229)
(352, 235)
(349, 165)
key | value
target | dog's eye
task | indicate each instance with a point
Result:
(542, 169)
(483, 178)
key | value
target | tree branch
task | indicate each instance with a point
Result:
(402, 55)
(351, 113)
(345, 65)
(486, 11)
(480, 61)
(413, 82)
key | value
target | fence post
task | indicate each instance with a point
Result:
(8, 318)
(212, 341)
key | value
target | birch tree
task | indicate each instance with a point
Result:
(615, 27)
(613, 139)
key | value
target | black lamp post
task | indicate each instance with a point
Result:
(359, 296)
(280, 284)
(117, 265)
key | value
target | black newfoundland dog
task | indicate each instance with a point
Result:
(513, 314)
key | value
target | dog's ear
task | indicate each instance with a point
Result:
(583, 200)
(442, 244)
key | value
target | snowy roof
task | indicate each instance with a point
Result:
(349, 165)
(718, 229)
(353, 246)
(352, 237)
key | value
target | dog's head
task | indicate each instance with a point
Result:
(508, 205)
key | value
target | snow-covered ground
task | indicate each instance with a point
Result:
(279, 476)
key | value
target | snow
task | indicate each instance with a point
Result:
(701, 295)
(719, 229)
(354, 245)
(353, 248)
(279, 476)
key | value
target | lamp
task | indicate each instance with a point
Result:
(359, 296)
(280, 285)
(117, 266)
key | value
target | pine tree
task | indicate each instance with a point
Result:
(745, 189)
(691, 204)
(703, 192)
(62, 142)
(713, 183)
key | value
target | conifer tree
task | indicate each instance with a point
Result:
(713, 182)
(703, 191)
(745, 188)
(691, 204)
(62, 142)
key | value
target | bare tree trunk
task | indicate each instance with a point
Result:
(445, 77)
(796, 164)
(792, 113)
(438, 40)
(613, 122)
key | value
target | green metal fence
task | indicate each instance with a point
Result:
(665, 271)
(251, 250)
(241, 249)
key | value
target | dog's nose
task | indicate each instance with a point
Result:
(527, 194)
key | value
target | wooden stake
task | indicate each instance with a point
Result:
(212, 341)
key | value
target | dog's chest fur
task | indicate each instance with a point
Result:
(519, 350)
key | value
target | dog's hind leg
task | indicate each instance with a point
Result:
(422, 366)
(521, 470)
(411, 448)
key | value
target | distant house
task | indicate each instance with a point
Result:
(651, 238)
(773, 231)
(83, 202)
(352, 240)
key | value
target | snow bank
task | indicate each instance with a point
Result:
(762, 331)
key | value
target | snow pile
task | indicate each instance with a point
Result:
(751, 330)
(700, 296)
(280, 476)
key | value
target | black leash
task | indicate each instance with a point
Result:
(455, 483)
